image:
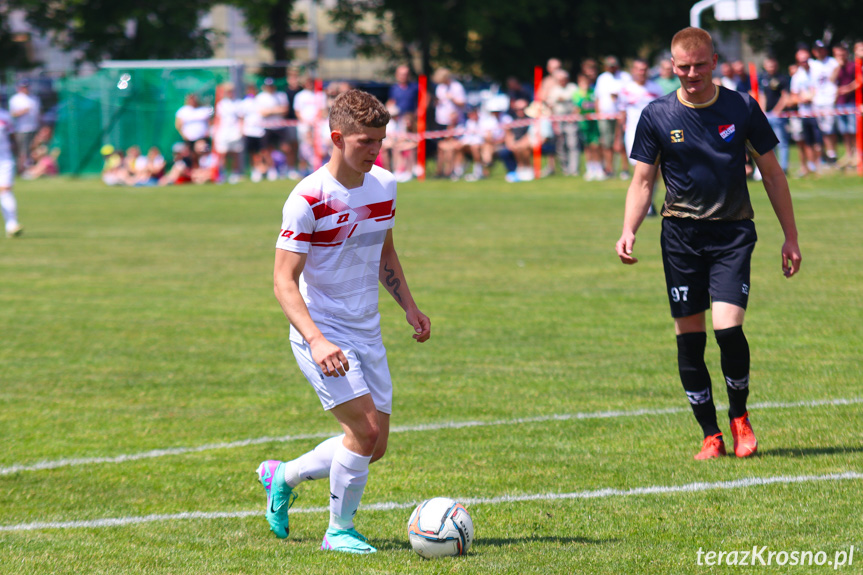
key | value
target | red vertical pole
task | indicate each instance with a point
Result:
(422, 105)
(316, 141)
(537, 144)
(753, 80)
(858, 97)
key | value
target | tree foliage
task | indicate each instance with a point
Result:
(111, 29)
(507, 37)
(785, 23)
(510, 37)
(14, 53)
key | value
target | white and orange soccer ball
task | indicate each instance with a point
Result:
(440, 527)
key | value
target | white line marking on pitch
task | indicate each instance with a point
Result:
(403, 429)
(593, 494)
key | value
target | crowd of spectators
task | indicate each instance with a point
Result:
(583, 121)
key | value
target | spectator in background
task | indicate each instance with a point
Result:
(476, 142)
(404, 93)
(515, 91)
(741, 77)
(26, 112)
(311, 109)
(517, 142)
(272, 106)
(549, 81)
(134, 170)
(666, 80)
(450, 100)
(726, 77)
(497, 122)
(590, 69)
(192, 120)
(608, 86)
(291, 145)
(559, 98)
(804, 130)
(155, 165)
(228, 136)
(113, 171)
(635, 95)
(588, 129)
(253, 134)
(207, 168)
(44, 163)
(774, 95)
(181, 169)
(822, 68)
(846, 85)
(402, 105)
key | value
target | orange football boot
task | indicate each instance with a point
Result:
(712, 447)
(745, 443)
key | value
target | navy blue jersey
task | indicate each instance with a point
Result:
(702, 152)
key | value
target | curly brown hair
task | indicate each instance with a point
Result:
(356, 109)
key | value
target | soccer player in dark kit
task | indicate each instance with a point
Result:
(699, 136)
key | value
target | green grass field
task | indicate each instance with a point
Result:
(146, 372)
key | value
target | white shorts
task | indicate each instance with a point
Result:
(369, 373)
(827, 122)
(224, 145)
(7, 173)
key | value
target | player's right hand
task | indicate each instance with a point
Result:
(624, 248)
(330, 358)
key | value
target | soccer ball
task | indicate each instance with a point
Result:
(440, 527)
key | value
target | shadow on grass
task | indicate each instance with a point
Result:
(809, 451)
(393, 545)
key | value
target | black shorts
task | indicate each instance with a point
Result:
(254, 145)
(706, 260)
(273, 138)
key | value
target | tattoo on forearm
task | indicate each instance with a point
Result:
(393, 282)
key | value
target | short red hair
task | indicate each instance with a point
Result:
(692, 38)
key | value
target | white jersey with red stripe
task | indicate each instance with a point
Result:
(342, 231)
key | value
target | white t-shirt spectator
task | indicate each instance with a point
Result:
(307, 105)
(802, 83)
(29, 121)
(229, 113)
(821, 72)
(446, 109)
(252, 126)
(607, 88)
(195, 122)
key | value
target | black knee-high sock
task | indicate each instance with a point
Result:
(696, 379)
(735, 367)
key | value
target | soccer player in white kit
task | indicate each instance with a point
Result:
(336, 243)
(7, 175)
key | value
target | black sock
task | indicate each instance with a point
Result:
(735, 367)
(696, 379)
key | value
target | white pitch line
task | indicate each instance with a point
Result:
(43, 465)
(390, 506)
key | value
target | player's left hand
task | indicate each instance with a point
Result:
(421, 324)
(791, 258)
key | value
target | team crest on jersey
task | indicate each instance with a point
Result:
(726, 132)
(676, 136)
